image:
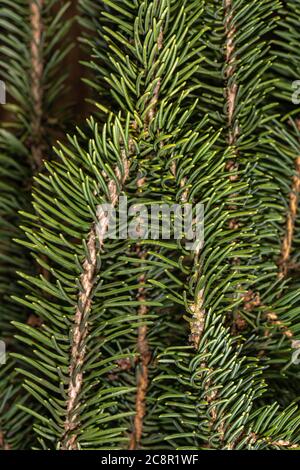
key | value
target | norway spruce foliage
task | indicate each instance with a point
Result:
(141, 343)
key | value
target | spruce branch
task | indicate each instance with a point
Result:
(231, 92)
(36, 77)
(15, 424)
(31, 56)
(130, 343)
(230, 67)
(290, 222)
(143, 364)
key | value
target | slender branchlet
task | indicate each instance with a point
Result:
(279, 443)
(231, 90)
(3, 444)
(142, 340)
(198, 312)
(287, 241)
(198, 319)
(81, 324)
(197, 309)
(78, 349)
(232, 86)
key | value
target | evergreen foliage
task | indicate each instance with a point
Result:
(34, 44)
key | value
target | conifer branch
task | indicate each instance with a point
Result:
(284, 443)
(231, 91)
(79, 334)
(142, 341)
(31, 59)
(3, 444)
(84, 305)
(198, 320)
(37, 67)
(108, 363)
(231, 98)
(143, 373)
(232, 86)
(276, 443)
(154, 99)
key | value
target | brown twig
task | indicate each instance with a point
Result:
(280, 443)
(286, 248)
(84, 304)
(252, 301)
(143, 373)
(36, 140)
(198, 312)
(154, 99)
(3, 444)
(231, 91)
(283, 443)
(231, 88)
(198, 320)
(78, 349)
(142, 341)
(287, 241)
(196, 308)
(272, 317)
